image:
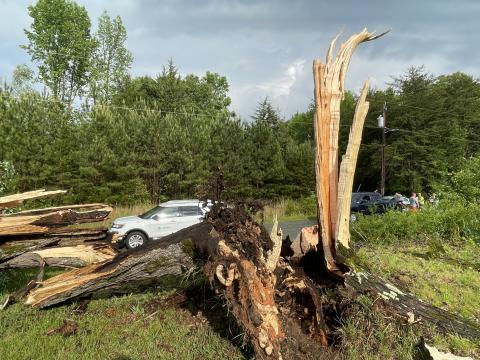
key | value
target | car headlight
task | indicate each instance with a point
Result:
(117, 226)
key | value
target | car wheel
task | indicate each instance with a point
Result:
(353, 217)
(135, 239)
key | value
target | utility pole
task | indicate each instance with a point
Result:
(382, 119)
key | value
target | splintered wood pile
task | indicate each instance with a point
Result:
(287, 297)
(24, 234)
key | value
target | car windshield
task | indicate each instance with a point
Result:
(160, 211)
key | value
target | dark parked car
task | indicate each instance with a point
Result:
(367, 203)
(401, 202)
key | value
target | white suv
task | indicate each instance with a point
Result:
(162, 220)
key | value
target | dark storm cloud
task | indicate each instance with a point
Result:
(265, 48)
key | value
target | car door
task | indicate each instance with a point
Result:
(364, 204)
(166, 222)
(191, 215)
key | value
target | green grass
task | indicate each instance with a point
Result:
(434, 254)
(291, 210)
(374, 334)
(140, 326)
(116, 328)
(449, 223)
(450, 281)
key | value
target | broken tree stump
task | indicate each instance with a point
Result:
(329, 79)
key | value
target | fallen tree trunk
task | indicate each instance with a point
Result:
(173, 255)
(43, 220)
(67, 256)
(61, 237)
(10, 251)
(65, 236)
(409, 306)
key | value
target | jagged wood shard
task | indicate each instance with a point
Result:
(15, 200)
(347, 170)
(66, 256)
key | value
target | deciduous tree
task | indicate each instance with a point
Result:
(111, 60)
(61, 45)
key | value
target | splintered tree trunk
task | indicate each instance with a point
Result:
(66, 256)
(43, 220)
(21, 251)
(329, 80)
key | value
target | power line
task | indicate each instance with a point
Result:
(409, 131)
(96, 107)
(210, 115)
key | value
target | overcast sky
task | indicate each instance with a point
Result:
(266, 48)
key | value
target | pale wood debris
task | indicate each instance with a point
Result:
(15, 200)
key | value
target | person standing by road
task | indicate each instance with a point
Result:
(414, 205)
(421, 200)
(433, 200)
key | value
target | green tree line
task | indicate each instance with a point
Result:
(159, 138)
(433, 129)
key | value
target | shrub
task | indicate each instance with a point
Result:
(292, 208)
(448, 223)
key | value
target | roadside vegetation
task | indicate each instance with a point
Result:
(433, 253)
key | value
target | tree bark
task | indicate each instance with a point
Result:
(66, 256)
(173, 255)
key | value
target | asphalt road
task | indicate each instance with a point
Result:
(292, 228)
